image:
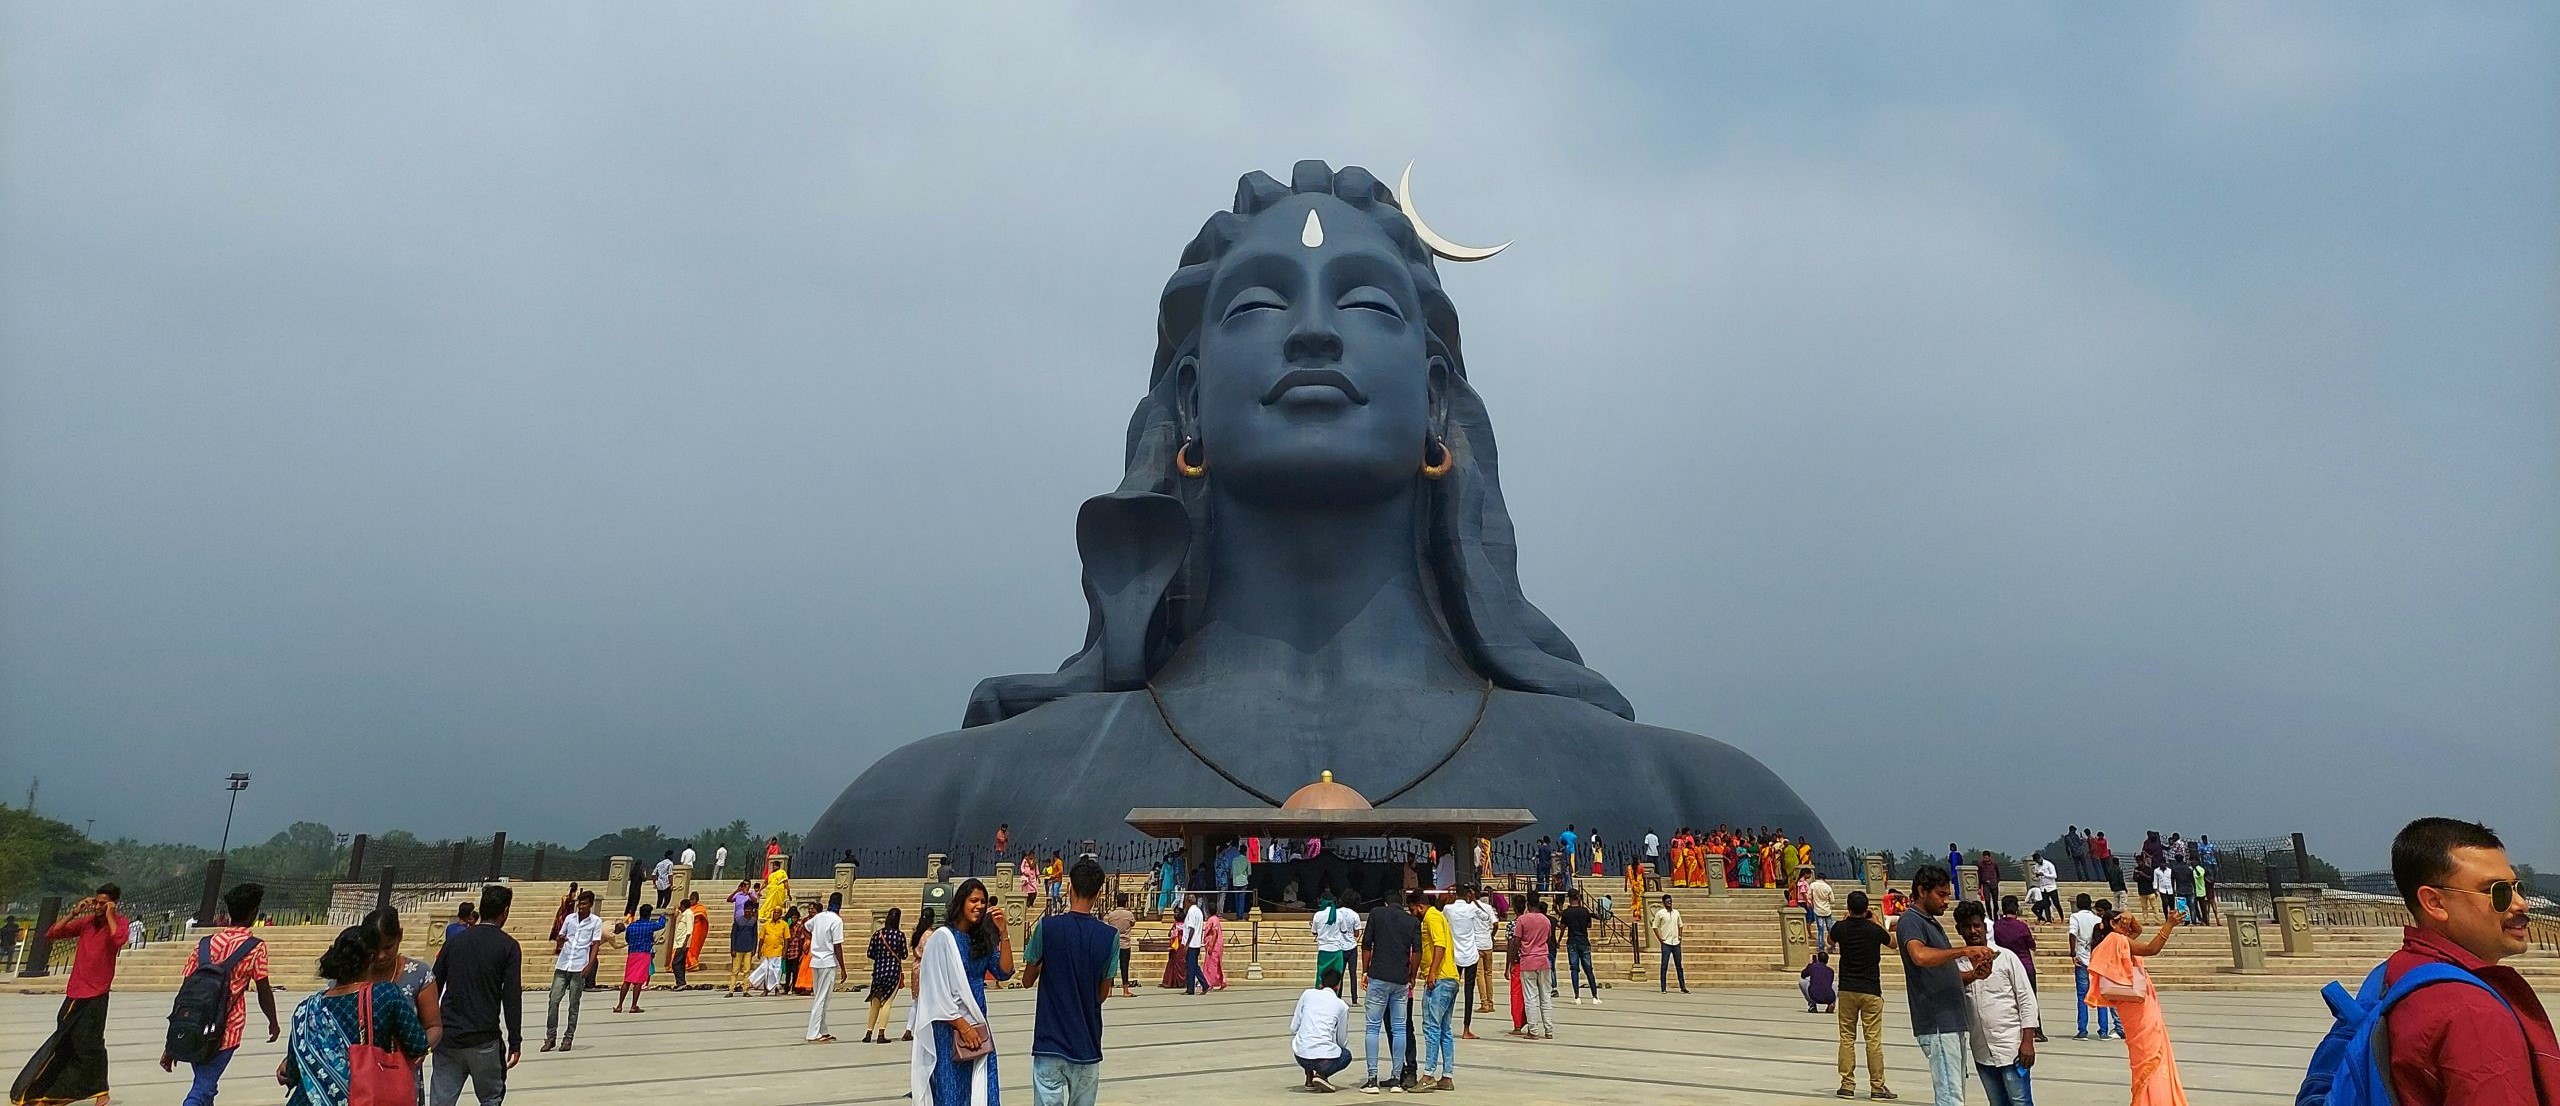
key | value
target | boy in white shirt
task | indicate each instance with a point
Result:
(2085, 923)
(1469, 927)
(1320, 1032)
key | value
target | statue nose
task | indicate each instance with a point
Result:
(1313, 341)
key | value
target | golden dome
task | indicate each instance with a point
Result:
(1324, 794)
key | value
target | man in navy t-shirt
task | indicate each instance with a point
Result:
(1072, 958)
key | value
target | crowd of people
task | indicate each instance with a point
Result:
(2170, 874)
(2463, 1028)
(1762, 857)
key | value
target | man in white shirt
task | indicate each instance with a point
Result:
(572, 950)
(719, 863)
(1320, 1032)
(1666, 929)
(2004, 1016)
(1195, 933)
(2085, 924)
(686, 857)
(1817, 907)
(1485, 922)
(1653, 852)
(1337, 932)
(1467, 946)
(2048, 902)
(662, 877)
(826, 962)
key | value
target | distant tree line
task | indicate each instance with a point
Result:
(41, 856)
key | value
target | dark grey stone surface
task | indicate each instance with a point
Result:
(1316, 601)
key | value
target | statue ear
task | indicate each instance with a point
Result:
(1438, 369)
(1186, 395)
(1132, 544)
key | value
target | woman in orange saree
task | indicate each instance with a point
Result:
(2117, 980)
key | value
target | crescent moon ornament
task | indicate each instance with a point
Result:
(1440, 247)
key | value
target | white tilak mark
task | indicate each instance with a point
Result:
(1313, 235)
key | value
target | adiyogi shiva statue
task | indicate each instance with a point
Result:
(1307, 567)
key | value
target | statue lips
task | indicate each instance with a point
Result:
(1304, 387)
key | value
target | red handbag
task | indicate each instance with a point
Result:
(377, 1076)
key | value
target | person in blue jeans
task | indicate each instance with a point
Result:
(2085, 924)
(1667, 932)
(1070, 958)
(239, 903)
(1393, 946)
(1438, 980)
(1575, 920)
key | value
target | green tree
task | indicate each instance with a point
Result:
(305, 850)
(40, 856)
(641, 843)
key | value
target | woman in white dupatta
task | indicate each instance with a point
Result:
(951, 1001)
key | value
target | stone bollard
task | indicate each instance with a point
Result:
(1873, 870)
(1253, 970)
(683, 883)
(2248, 954)
(933, 865)
(622, 891)
(1968, 884)
(2293, 920)
(844, 882)
(1715, 874)
(1795, 945)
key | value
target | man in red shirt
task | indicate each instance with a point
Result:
(240, 907)
(71, 1065)
(2451, 1043)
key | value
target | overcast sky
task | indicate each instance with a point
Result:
(472, 417)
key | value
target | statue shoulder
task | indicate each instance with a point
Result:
(1050, 727)
(1547, 719)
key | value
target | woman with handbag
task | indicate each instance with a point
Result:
(359, 1042)
(954, 1060)
(2118, 980)
(888, 952)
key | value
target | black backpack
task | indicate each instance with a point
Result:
(202, 1014)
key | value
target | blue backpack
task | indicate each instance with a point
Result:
(2345, 1070)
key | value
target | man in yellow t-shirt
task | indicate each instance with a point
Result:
(1437, 981)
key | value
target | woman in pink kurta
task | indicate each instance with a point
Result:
(1213, 952)
(2117, 962)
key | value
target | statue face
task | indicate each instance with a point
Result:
(1312, 385)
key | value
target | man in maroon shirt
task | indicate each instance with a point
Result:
(2451, 1043)
(71, 1065)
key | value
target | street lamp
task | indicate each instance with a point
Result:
(237, 782)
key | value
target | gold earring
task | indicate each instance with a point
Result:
(1182, 460)
(1434, 470)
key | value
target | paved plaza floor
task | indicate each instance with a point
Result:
(1719, 1046)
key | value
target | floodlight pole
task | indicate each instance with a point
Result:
(236, 783)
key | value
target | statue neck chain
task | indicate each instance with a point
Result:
(1166, 713)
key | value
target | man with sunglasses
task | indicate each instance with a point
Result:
(2455, 1044)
